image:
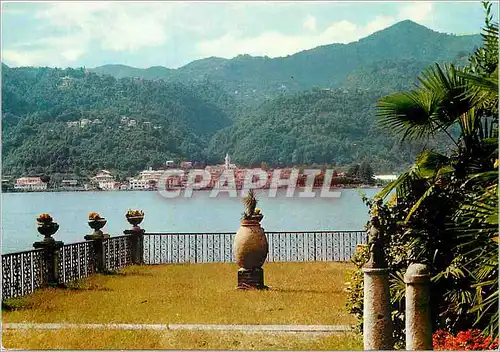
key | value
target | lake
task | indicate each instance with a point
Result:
(199, 213)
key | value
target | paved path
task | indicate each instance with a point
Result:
(245, 328)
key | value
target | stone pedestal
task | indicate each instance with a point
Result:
(251, 279)
(417, 315)
(51, 249)
(137, 241)
(99, 259)
(377, 322)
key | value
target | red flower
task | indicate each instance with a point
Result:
(469, 340)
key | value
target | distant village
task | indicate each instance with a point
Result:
(147, 180)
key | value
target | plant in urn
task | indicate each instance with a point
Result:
(250, 246)
(134, 218)
(96, 223)
(46, 227)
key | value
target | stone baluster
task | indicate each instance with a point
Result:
(417, 315)
(377, 321)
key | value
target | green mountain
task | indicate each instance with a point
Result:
(171, 121)
(318, 127)
(316, 106)
(255, 79)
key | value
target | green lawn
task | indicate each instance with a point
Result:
(301, 293)
(74, 339)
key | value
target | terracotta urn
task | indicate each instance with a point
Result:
(250, 245)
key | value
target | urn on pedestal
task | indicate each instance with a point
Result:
(46, 227)
(96, 223)
(134, 218)
(250, 246)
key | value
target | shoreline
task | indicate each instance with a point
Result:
(337, 188)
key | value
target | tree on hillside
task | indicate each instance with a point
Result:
(365, 173)
(353, 170)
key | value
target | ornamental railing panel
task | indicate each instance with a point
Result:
(292, 246)
(75, 261)
(23, 273)
(161, 248)
(117, 252)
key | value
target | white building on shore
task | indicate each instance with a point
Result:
(137, 184)
(104, 180)
(151, 175)
(385, 177)
(30, 184)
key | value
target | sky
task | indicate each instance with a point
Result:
(172, 34)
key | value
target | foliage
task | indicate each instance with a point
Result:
(170, 122)
(132, 213)
(93, 216)
(444, 209)
(469, 340)
(44, 218)
(250, 203)
(323, 127)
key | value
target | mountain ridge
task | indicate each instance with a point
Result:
(409, 24)
(255, 79)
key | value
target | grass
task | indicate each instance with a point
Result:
(301, 293)
(153, 340)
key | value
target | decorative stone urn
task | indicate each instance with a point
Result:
(97, 225)
(135, 220)
(47, 230)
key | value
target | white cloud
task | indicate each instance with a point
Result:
(114, 26)
(111, 26)
(25, 58)
(275, 44)
(70, 30)
(310, 23)
(417, 11)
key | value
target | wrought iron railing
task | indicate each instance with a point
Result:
(117, 252)
(163, 248)
(23, 273)
(75, 261)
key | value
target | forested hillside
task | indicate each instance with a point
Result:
(322, 127)
(171, 120)
(316, 106)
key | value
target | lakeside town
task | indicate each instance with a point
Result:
(148, 180)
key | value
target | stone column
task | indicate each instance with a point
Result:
(137, 242)
(98, 237)
(417, 315)
(51, 258)
(377, 320)
(99, 257)
(47, 227)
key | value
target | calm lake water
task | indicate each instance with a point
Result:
(200, 213)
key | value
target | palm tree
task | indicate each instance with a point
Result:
(459, 105)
